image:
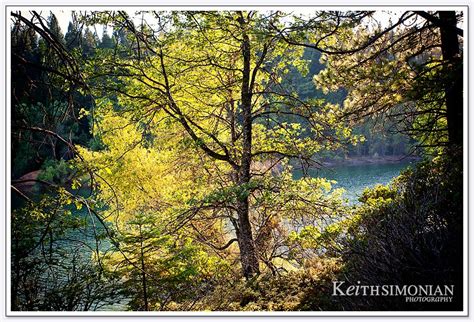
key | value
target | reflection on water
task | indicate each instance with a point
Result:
(355, 178)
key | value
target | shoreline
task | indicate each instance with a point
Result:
(370, 160)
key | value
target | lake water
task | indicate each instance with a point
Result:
(355, 178)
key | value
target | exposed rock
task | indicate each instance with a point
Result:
(26, 182)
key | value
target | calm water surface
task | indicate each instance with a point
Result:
(355, 178)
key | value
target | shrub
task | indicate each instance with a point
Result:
(408, 233)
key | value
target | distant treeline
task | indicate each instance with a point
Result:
(42, 99)
(381, 135)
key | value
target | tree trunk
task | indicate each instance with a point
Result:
(248, 254)
(453, 82)
(143, 272)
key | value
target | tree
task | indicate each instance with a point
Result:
(106, 42)
(89, 43)
(50, 270)
(45, 80)
(53, 26)
(410, 69)
(178, 178)
(218, 75)
(453, 67)
(143, 184)
(73, 36)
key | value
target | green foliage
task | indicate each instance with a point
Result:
(409, 233)
(291, 291)
(396, 76)
(51, 272)
(300, 78)
(55, 171)
(45, 96)
(174, 127)
(159, 270)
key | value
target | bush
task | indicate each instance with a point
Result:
(292, 291)
(408, 233)
(55, 171)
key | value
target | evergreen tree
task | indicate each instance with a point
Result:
(73, 36)
(107, 42)
(89, 43)
(53, 26)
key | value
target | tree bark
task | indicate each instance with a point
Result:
(453, 81)
(248, 254)
(143, 272)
